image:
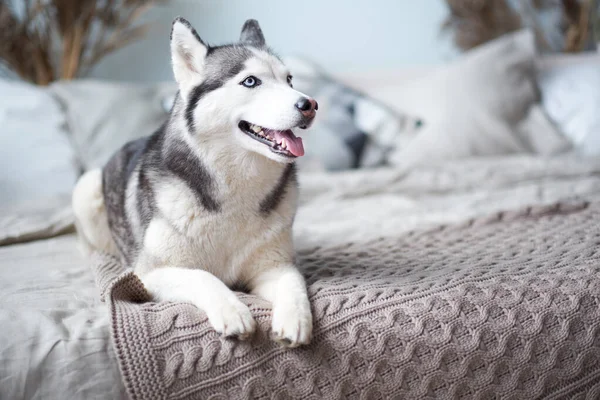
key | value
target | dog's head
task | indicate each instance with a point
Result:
(240, 93)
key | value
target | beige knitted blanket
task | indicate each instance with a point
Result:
(506, 306)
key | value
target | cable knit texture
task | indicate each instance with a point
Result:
(506, 306)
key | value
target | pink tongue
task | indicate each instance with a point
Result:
(294, 144)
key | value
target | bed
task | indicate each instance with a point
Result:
(56, 336)
(472, 276)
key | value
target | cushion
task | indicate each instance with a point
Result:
(570, 96)
(482, 104)
(37, 169)
(103, 116)
(351, 129)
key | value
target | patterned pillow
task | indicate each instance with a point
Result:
(351, 129)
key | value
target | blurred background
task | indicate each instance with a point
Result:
(128, 40)
(431, 112)
(339, 35)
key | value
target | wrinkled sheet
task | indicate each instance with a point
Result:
(54, 332)
(55, 341)
(370, 203)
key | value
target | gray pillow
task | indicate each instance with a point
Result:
(37, 169)
(103, 116)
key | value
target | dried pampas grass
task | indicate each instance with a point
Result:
(42, 41)
(473, 22)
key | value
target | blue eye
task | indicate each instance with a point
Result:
(251, 82)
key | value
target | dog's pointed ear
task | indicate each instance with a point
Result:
(252, 34)
(188, 52)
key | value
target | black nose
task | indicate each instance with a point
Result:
(303, 104)
(306, 104)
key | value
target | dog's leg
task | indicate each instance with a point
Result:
(227, 314)
(284, 286)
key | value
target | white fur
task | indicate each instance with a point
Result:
(243, 246)
(187, 56)
(90, 214)
(285, 288)
(190, 254)
(226, 313)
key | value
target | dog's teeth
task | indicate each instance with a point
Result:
(256, 128)
(261, 133)
(283, 144)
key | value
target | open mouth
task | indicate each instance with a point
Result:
(282, 142)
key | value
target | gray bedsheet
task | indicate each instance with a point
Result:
(54, 332)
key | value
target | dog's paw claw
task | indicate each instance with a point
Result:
(232, 319)
(292, 327)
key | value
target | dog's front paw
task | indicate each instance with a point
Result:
(292, 324)
(231, 318)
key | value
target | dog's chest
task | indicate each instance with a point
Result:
(219, 241)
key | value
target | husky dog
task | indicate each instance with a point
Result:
(207, 202)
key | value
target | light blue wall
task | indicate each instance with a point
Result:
(342, 35)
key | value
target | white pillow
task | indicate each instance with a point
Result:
(571, 97)
(37, 169)
(483, 104)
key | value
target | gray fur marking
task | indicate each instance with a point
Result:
(115, 177)
(270, 203)
(147, 160)
(182, 163)
(222, 64)
(252, 34)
